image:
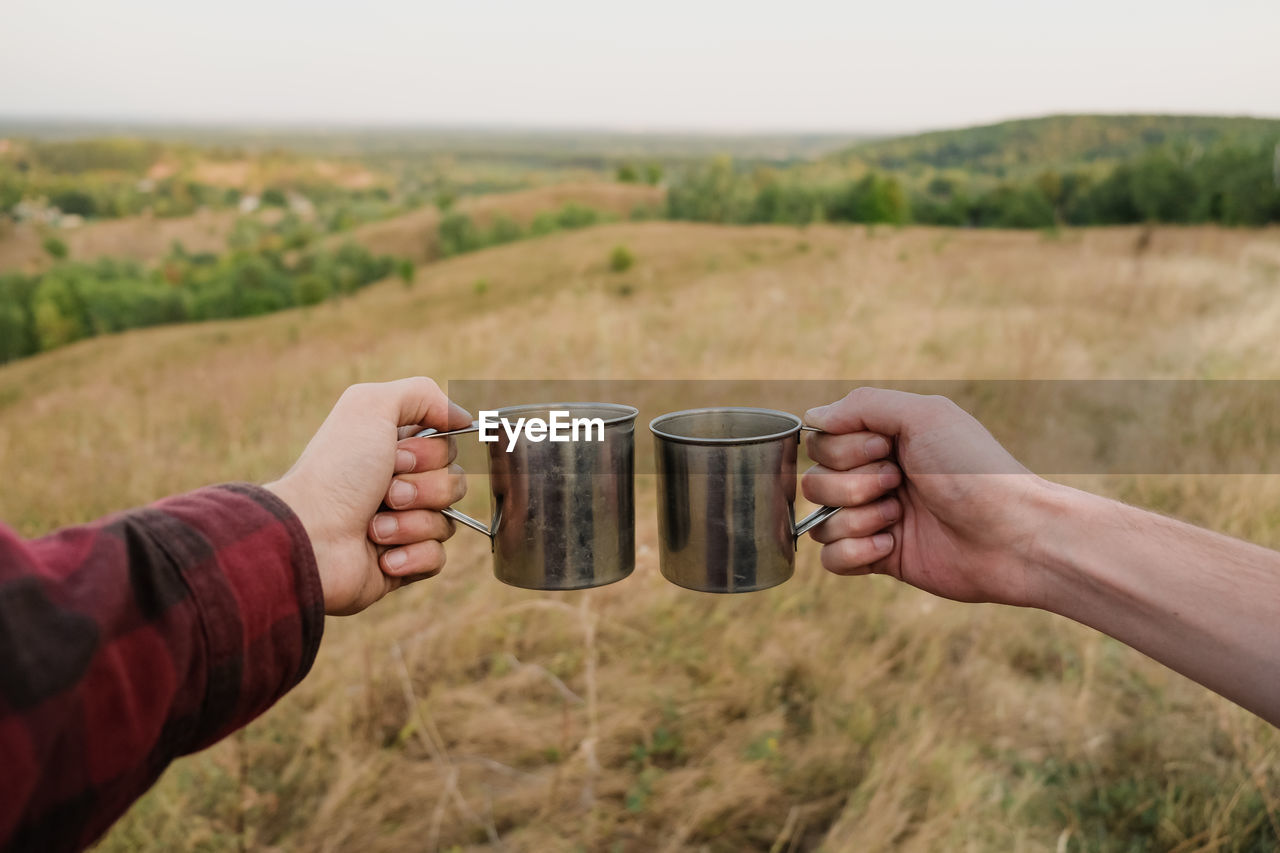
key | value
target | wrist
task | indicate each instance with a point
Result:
(295, 498)
(1061, 520)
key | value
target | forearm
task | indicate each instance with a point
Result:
(136, 639)
(1203, 604)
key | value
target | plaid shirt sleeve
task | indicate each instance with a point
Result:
(133, 640)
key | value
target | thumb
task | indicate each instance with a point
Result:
(419, 401)
(867, 409)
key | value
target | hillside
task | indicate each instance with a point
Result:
(413, 235)
(147, 239)
(843, 714)
(1029, 145)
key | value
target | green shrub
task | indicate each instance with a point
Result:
(504, 230)
(457, 233)
(56, 248)
(621, 259)
(404, 269)
(543, 224)
(574, 215)
(311, 289)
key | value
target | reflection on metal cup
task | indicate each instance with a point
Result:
(563, 511)
(726, 497)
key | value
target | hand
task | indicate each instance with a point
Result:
(933, 498)
(346, 472)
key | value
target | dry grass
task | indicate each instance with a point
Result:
(828, 713)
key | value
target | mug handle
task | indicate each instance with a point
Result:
(450, 512)
(820, 514)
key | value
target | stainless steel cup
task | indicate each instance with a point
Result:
(563, 512)
(726, 497)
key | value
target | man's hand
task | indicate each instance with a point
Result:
(932, 498)
(360, 459)
(966, 521)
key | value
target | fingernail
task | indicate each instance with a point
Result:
(395, 559)
(385, 525)
(888, 477)
(400, 493)
(876, 448)
(883, 542)
(459, 413)
(405, 460)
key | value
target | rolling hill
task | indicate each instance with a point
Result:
(1030, 145)
(147, 239)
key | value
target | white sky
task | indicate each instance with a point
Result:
(696, 64)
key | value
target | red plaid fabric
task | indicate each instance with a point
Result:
(136, 639)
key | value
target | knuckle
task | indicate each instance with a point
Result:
(859, 396)
(833, 557)
(358, 392)
(810, 485)
(940, 406)
(854, 488)
(426, 385)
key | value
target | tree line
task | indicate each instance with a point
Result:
(1230, 184)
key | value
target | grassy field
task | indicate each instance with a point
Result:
(828, 713)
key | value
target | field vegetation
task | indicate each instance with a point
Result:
(828, 713)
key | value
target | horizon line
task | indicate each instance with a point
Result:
(638, 130)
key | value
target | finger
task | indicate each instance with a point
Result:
(420, 401)
(415, 525)
(436, 489)
(849, 488)
(840, 452)
(856, 556)
(418, 558)
(408, 579)
(425, 454)
(875, 410)
(855, 522)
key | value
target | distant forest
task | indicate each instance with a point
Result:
(1038, 173)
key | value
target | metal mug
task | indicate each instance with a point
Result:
(726, 497)
(563, 512)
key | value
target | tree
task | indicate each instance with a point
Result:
(713, 192)
(54, 245)
(457, 233)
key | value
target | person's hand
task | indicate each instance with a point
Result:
(932, 497)
(345, 474)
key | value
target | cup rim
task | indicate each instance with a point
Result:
(624, 412)
(656, 424)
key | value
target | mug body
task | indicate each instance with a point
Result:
(564, 512)
(726, 497)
